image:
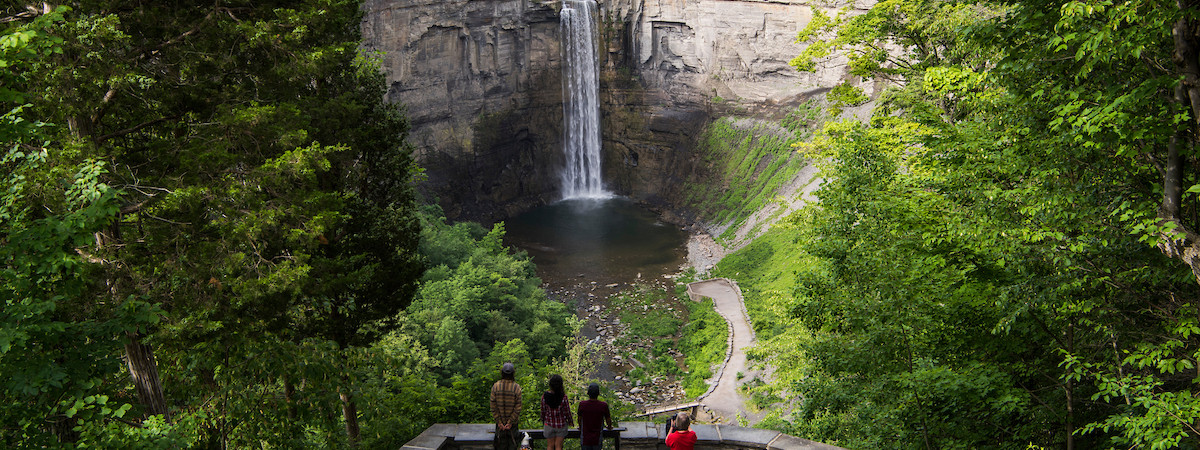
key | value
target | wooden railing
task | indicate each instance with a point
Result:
(668, 408)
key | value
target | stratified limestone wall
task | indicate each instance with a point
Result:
(736, 50)
(481, 83)
(675, 65)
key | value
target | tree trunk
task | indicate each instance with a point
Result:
(350, 415)
(144, 372)
(1184, 242)
(289, 390)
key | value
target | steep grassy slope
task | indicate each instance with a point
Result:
(751, 161)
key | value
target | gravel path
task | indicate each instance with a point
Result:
(723, 400)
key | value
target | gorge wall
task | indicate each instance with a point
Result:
(481, 82)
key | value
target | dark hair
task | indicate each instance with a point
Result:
(556, 395)
(593, 391)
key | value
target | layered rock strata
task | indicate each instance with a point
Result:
(481, 81)
(673, 66)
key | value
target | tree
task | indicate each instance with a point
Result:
(978, 229)
(260, 188)
(1127, 82)
(57, 356)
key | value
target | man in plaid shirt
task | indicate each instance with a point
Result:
(506, 408)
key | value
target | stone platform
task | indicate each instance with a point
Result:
(627, 436)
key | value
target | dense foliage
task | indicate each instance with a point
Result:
(1000, 257)
(210, 239)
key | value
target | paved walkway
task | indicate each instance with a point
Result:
(724, 399)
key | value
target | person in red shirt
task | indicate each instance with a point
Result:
(556, 414)
(681, 436)
(593, 413)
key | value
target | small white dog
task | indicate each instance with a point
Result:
(524, 441)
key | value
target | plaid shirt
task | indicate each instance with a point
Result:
(558, 417)
(506, 403)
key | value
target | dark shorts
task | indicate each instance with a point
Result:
(592, 447)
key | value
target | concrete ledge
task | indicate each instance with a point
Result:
(640, 431)
(786, 442)
(633, 436)
(706, 434)
(435, 437)
(746, 437)
(475, 432)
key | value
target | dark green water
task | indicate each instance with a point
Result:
(580, 241)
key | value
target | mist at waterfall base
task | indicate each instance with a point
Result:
(597, 240)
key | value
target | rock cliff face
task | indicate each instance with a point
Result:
(707, 49)
(693, 61)
(482, 84)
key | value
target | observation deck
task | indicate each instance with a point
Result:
(626, 436)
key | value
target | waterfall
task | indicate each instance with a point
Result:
(581, 101)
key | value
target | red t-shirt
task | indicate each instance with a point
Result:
(682, 440)
(591, 419)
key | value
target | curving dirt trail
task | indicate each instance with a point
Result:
(723, 399)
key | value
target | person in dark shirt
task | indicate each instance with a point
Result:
(593, 414)
(681, 436)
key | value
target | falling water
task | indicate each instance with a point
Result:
(581, 102)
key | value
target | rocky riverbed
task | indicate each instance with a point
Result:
(615, 350)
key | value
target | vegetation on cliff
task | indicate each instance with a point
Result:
(1000, 258)
(751, 159)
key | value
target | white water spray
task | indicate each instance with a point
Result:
(581, 101)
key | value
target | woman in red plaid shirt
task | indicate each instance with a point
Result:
(556, 414)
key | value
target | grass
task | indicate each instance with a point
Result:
(752, 162)
(666, 321)
(766, 270)
(648, 312)
(703, 342)
(654, 317)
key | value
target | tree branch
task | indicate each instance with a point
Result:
(136, 128)
(177, 39)
(105, 102)
(30, 12)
